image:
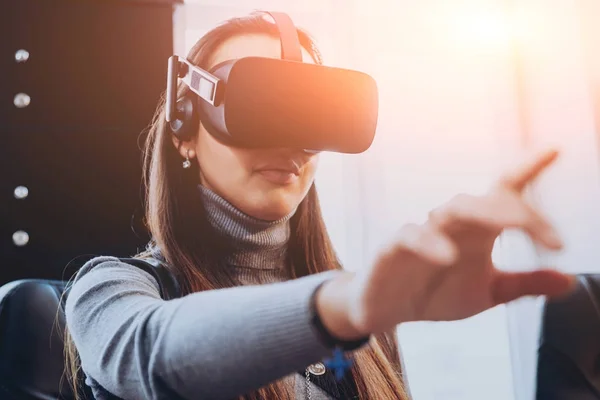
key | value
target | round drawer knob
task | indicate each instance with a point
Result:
(20, 238)
(22, 100)
(21, 56)
(21, 192)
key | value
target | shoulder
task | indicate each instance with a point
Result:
(106, 276)
(105, 301)
(113, 268)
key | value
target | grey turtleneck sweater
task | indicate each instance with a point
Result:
(208, 345)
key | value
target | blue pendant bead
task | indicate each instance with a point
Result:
(339, 364)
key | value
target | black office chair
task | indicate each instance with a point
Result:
(569, 349)
(31, 341)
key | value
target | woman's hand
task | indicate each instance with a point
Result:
(443, 270)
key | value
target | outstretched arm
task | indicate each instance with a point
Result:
(215, 344)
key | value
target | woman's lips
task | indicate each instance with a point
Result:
(279, 176)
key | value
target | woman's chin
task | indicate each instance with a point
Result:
(272, 210)
(273, 214)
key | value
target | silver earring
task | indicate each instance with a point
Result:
(187, 163)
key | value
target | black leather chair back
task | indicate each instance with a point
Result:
(32, 325)
(569, 349)
(31, 341)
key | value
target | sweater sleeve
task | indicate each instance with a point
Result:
(215, 344)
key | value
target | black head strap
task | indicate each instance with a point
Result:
(290, 44)
(169, 287)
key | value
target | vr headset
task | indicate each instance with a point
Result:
(259, 102)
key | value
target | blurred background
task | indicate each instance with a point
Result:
(467, 88)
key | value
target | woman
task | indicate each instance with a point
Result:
(242, 232)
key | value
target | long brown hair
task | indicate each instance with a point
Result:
(186, 240)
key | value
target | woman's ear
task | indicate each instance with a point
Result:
(185, 148)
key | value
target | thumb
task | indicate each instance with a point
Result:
(509, 286)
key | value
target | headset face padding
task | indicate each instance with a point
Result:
(213, 116)
(192, 110)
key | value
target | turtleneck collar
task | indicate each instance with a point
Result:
(257, 243)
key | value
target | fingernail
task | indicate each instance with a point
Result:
(552, 239)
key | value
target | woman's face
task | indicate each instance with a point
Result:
(267, 184)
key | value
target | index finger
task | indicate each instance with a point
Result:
(528, 172)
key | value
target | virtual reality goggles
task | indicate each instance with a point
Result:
(259, 102)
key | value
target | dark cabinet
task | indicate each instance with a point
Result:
(79, 83)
